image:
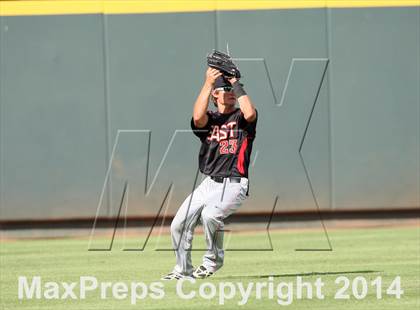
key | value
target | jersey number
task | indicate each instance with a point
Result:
(228, 146)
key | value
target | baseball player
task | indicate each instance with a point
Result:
(226, 137)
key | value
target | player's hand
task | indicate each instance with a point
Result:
(211, 75)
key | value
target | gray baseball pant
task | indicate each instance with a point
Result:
(211, 202)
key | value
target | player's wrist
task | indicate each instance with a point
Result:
(238, 90)
(208, 84)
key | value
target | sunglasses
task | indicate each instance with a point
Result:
(226, 88)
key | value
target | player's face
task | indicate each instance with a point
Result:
(225, 96)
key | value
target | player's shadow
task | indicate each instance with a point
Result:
(285, 275)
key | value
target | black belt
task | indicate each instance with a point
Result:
(221, 179)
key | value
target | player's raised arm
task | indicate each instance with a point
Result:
(201, 104)
(245, 103)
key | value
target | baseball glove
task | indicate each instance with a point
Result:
(224, 63)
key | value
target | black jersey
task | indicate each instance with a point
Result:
(226, 144)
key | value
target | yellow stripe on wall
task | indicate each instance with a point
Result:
(58, 7)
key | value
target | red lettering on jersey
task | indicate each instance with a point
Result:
(215, 134)
(228, 146)
(230, 126)
(221, 133)
(223, 147)
(233, 146)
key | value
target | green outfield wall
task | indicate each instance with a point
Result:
(70, 82)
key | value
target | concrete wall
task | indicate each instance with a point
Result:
(69, 83)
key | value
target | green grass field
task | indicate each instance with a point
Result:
(373, 252)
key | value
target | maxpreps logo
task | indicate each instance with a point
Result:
(225, 135)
